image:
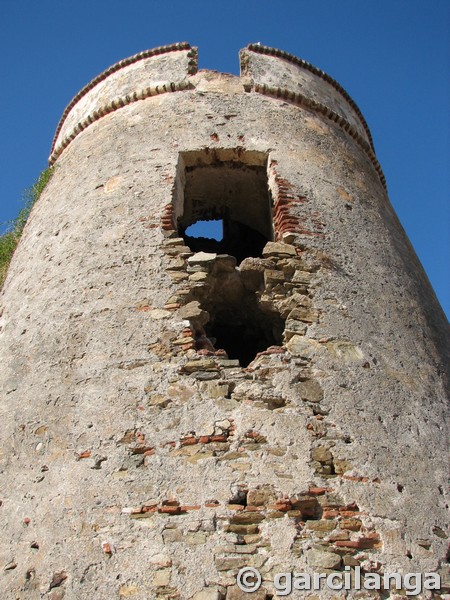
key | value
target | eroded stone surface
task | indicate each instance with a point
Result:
(138, 458)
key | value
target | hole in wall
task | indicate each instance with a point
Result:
(239, 497)
(238, 240)
(205, 230)
(237, 323)
(231, 188)
(223, 205)
(439, 532)
(243, 330)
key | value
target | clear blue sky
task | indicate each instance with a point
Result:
(392, 56)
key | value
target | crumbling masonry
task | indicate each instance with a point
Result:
(176, 407)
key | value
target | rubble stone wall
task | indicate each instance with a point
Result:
(138, 459)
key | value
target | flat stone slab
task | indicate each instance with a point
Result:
(278, 248)
(202, 258)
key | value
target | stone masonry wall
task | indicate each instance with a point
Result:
(137, 458)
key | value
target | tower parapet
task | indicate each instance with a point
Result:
(145, 74)
(295, 75)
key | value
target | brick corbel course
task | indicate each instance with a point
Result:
(115, 105)
(192, 69)
(269, 51)
(317, 107)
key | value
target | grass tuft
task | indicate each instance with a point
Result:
(10, 239)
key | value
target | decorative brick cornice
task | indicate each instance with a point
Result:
(261, 49)
(275, 92)
(312, 105)
(192, 69)
(115, 105)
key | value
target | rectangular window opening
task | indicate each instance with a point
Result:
(226, 186)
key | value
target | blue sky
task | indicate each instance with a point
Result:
(392, 56)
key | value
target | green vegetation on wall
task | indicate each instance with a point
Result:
(9, 240)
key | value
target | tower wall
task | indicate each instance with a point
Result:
(138, 459)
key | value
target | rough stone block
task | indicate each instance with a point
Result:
(323, 560)
(207, 594)
(311, 390)
(278, 249)
(303, 346)
(193, 312)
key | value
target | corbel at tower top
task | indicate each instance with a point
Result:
(174, 68)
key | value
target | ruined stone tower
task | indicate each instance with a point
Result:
(176, 408)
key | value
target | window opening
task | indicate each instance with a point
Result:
(223, 205)
(212, 230)
(233, 192)
(205, 236)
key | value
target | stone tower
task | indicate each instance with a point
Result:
(175, 408)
